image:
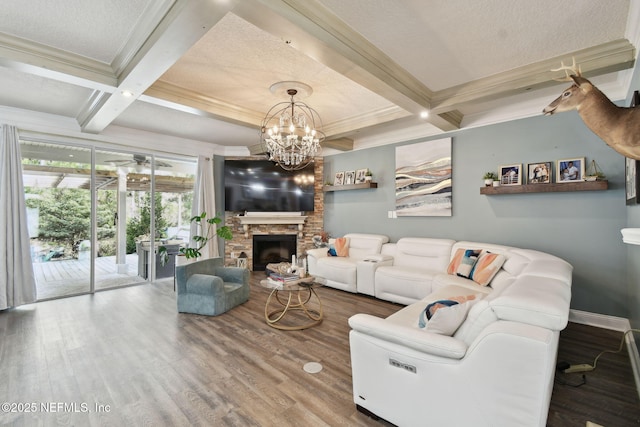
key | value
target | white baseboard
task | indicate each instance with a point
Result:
(599, 320)
(616, 324)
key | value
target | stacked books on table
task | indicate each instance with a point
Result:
(279, 279)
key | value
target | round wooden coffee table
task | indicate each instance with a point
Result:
(287, 297)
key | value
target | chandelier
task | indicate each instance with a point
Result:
(292, 131)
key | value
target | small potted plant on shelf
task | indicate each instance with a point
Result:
(368, 176)
(489, 177)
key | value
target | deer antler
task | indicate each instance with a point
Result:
(575, 70)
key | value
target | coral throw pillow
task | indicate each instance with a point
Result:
(458, 258)
(342, 246)
(467, 263)
(487, 267)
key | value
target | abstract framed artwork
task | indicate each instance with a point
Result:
(360, 174)
(423, 178)
(511, 174)
(570, 170)
(339, 178)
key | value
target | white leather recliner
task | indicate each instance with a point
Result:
(341, 272)
(497, 369)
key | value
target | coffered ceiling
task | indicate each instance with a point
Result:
(201, 69)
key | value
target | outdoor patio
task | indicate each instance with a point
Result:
(67, 277)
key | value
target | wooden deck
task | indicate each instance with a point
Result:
(70, 277)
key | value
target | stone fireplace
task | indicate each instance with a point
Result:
(272, 248)
(301, 228)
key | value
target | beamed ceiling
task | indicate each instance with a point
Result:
(201, 70)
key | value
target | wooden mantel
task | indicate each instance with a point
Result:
(247, 220)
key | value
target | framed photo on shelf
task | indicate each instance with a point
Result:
(631, 166)
(539, 173)
(511, 175)
(339, 178)
(631, 180)
(570, 170)
(360, 174)
(349, 177)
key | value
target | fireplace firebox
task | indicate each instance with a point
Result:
(272, 248)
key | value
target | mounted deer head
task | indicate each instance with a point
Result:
(619, 127)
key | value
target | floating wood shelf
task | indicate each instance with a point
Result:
(546, 188)
(362, 186)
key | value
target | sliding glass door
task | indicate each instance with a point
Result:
(57, 181)
(97, 216)
(123, 189)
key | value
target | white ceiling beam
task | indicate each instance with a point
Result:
(312, 29)
(185, 23)
(341, 144)
(602, 59)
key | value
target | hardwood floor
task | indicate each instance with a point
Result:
(609, 396)
(130, 352)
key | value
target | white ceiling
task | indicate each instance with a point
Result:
(201, 70)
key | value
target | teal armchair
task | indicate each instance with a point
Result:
(208, 287)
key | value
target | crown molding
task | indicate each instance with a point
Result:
(176, 97)
(45, 61)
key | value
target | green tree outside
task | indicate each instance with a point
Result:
(141, 225)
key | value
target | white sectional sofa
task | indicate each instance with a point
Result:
(496, 364)
(341, 272)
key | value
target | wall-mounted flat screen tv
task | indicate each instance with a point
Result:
(263, 186)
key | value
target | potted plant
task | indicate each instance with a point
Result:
(205, 232)
(489, 177)
(368, 176)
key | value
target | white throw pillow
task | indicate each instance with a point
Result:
(447, 320)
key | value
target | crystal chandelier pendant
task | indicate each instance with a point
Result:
(291, 132)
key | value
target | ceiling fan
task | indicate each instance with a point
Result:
(140, 161)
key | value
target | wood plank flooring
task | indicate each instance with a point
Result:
(128, 350)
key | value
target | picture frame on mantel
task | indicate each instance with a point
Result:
(631, 181)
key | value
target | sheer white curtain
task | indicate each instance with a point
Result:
(204, 201)
(17, 281)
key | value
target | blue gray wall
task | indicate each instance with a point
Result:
(580, 227)
(633, 252)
